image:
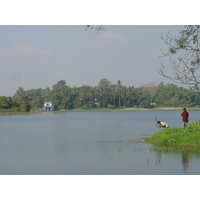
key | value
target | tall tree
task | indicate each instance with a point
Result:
(151, 89)
(119, 91)
(104, 89)
(113, 92)
(4, 102)
(59, 85)
(184, 55)
(20, 94)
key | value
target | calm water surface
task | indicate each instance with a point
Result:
(90, 143)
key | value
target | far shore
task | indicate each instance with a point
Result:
(135, 109)
(105, 109)
(163, 108)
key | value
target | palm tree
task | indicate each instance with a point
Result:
(119, 91)
(114, 93)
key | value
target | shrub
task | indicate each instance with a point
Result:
(110, 106)
(195, 124)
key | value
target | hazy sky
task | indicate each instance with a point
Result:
(39, 56)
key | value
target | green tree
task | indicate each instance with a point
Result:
(190, 98)
(104, 83)
(59, 94)
(84, 96)
(25, 106)
(113, 92)
(165, 95)
(119, 91)
(20, 94)
(171, 95)
(4, 102)
(59, 85)
(104, 89)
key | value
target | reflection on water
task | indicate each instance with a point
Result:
(185, 160)
(186, 155)
(89, 143)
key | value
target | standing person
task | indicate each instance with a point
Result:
(162, 124)
(185, 116)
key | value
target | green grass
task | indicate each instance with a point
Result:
(177, 138)
(57, 112)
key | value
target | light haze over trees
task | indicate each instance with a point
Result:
(104, 95)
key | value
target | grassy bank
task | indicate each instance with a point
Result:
(177, 138)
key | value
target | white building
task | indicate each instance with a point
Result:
(48, 106)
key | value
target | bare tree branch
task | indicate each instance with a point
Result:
(98, 28)
(184, 56)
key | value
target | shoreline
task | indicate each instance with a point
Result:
(136, 109)
(105, 109)
(176, 139)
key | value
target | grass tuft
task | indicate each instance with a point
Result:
(177, 138)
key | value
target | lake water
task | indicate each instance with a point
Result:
(90, 143)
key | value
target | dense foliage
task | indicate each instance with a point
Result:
(104, 95)
(8, 104)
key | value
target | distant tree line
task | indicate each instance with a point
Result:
(10, 104)
(104, 95)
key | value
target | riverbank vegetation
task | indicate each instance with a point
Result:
(12, 105)
(177, 138)
(103, 96)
